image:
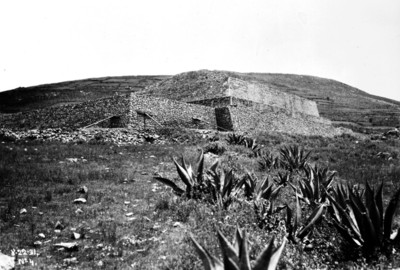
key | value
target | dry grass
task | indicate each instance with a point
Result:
(151, 232)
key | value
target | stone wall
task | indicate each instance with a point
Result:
(69, 116)
(265, 94)
(251, 120)
(137, 112)
(148, 112)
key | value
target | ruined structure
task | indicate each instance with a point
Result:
(201, 100)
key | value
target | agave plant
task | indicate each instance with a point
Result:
(265, 214)
(314, 187)
(256, 189)
(235, 139)
(236, 256)
(295, 228)
(361, 219)
(251, 143)
(268, 162)
(283, 179)
(224, 186)
(294, 158)
(196, 184)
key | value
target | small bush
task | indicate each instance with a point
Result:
(217, 148)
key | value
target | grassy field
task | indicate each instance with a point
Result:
(132, 221)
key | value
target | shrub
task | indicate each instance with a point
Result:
(217, 148)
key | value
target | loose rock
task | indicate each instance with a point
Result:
(6, 262)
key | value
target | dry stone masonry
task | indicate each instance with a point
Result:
(197, 100)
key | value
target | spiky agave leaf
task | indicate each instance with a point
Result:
(183, 173)
(171, 184)
(346, 221)
(293, 222)
(269, 258)
(236, 256)
(244, 257)
(297, 216)
(200, 166)
(210, 262)
(314, 218)
(230, 253)
(374, 216)
(389, 213)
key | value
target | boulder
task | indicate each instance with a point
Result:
(6, 262)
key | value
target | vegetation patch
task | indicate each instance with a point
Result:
(300, 203)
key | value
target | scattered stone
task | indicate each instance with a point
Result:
(59, 226)
(178, 224)
(384, 155)
(76, 236)
(308, 247)
(118, 136)
(6, 262)
(100, 264)
(129, 214)
(23, 211)
(57, 231)
(41, 235)
(156, 226)
(70, 260)
(146, 218)
(83, 190)
(127, 202)
(99, 246)
(80, 200)
(37, 243)
(78, 211)
(67, 246)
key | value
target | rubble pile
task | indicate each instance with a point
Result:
(120, 136)
(390, 134)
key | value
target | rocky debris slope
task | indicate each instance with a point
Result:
(189, 86)
(95, 135)
(68, 116)
(390, 134)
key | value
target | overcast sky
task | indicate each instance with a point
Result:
(355, 42)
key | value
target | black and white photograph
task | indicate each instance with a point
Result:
(213, 134)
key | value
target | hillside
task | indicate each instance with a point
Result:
(341, 103)
(337, 101)
(41, 96)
